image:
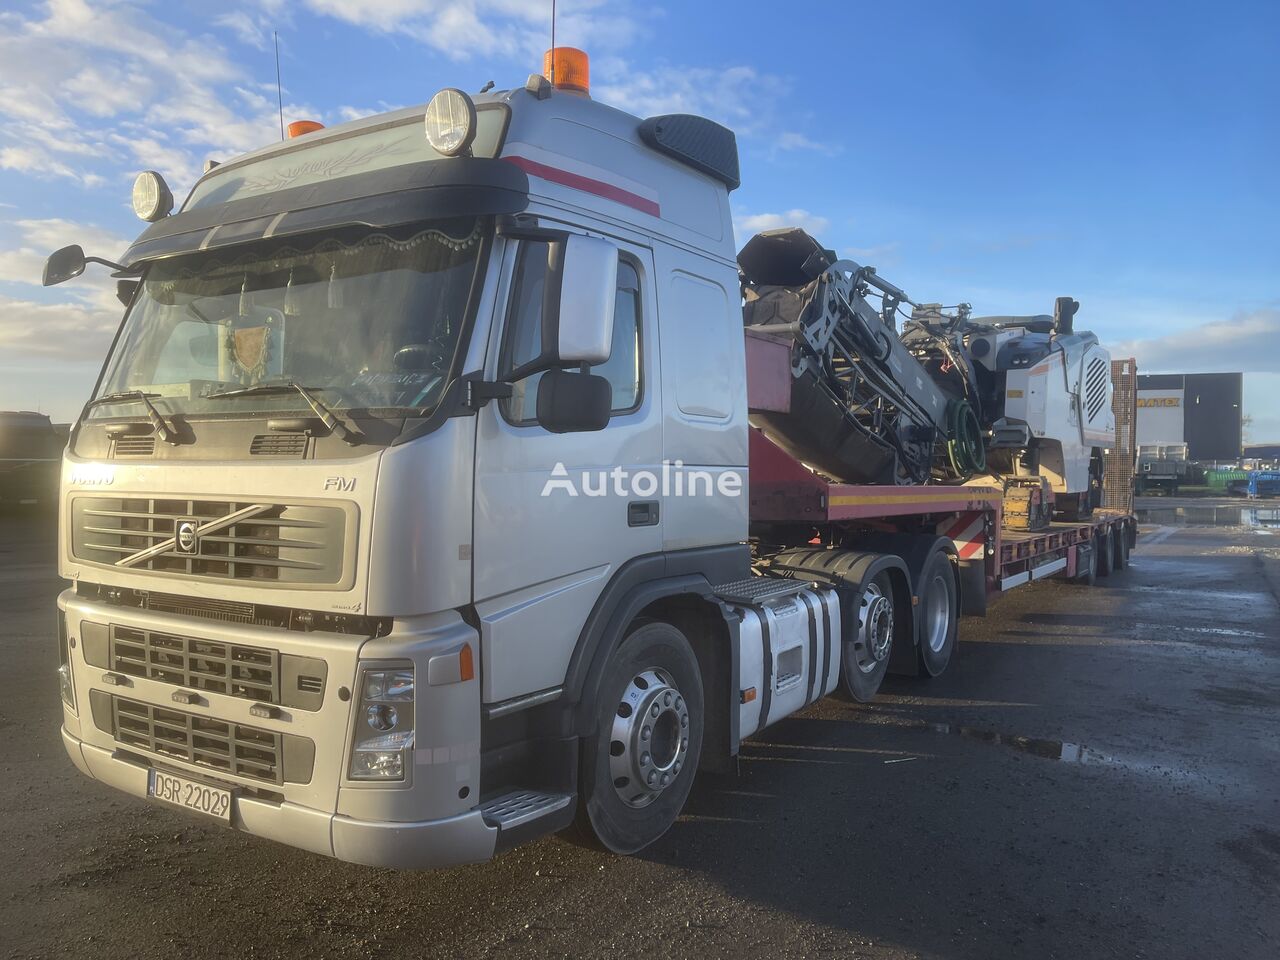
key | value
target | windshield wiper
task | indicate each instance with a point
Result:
(327, 417)
(158, 422)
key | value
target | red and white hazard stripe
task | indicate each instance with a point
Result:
(968, 531)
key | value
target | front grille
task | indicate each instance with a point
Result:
(227, 668)
(283, 543)
(278, 445)
(229, 748)
(229, 611)
(134, 446)
(232, 611)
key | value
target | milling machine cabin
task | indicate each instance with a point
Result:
(1042, 391)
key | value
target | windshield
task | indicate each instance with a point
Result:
(367, 320)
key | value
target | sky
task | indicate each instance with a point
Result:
(996, 153)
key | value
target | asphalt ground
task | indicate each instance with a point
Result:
(1095, 776)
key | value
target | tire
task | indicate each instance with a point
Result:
(938, 614)
(653, 675)
(865, 653)
(1120, 549)
(1104, 543)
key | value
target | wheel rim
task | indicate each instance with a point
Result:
(875, 629)
(649, 741)
(937, 613)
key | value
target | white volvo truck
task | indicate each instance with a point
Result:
(410, 517)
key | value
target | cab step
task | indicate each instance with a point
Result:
(520, 807)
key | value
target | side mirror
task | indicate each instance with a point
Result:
(588, 291)
(573, 402)
(65, 264)
(577, 308)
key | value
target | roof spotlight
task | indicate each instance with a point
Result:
(152, 199)
(451, 122)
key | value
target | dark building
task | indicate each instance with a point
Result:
(1212, 406)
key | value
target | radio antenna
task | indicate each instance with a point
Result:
(552, 78)
(279, 90)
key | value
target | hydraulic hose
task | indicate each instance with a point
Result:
(965, 448)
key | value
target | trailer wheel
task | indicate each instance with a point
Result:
(866, 655)
(939, 614)
(1104, 544)
(1120, 549)
(638, 767)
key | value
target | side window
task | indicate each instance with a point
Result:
(523, 338)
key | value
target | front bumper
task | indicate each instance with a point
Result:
(426, 844)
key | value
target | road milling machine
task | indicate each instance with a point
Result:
(1018, 402)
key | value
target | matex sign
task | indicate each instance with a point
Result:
(1160, 417)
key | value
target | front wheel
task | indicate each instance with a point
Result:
(638, 767)
(938, 614)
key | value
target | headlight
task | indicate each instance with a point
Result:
(451, 122)
(384, 725)
(65, 683)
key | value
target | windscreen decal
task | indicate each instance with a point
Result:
(632, 195)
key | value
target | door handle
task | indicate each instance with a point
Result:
(642, 513)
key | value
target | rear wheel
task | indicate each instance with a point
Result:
(938, 613)
(1104, 546)
(638, 767)
(1120, 549)
(866, 652)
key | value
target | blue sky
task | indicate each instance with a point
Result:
(1000, 153)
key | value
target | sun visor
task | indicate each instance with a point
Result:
(466, 186)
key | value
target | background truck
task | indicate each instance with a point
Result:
(30, 451)
(419, 509)
(1161, 467)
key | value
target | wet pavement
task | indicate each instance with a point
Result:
(1095, 776)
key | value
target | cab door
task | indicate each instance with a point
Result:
(553, 518)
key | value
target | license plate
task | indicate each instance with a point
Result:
(181, 792)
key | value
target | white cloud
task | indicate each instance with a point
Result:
(747, 225)
(516, 29)
(740, 97)
(249, 29)
(1248, 342)
(66, 331)
(881, 254)
(791, 140)
(75, 75)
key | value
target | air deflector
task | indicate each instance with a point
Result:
(696, 141)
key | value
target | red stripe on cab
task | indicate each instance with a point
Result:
(587, 185)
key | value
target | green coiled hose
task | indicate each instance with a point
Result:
(965, 448)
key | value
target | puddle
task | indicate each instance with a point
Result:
(1231, 516)
(1064, 751)
(1049, 749)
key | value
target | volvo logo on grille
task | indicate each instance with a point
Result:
(185, 539)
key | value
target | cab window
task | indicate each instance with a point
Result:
(524, 334)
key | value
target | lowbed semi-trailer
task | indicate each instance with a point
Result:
(417, 511)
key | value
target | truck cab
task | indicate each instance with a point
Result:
(386, 473)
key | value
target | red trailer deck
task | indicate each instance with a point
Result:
(992, 559)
